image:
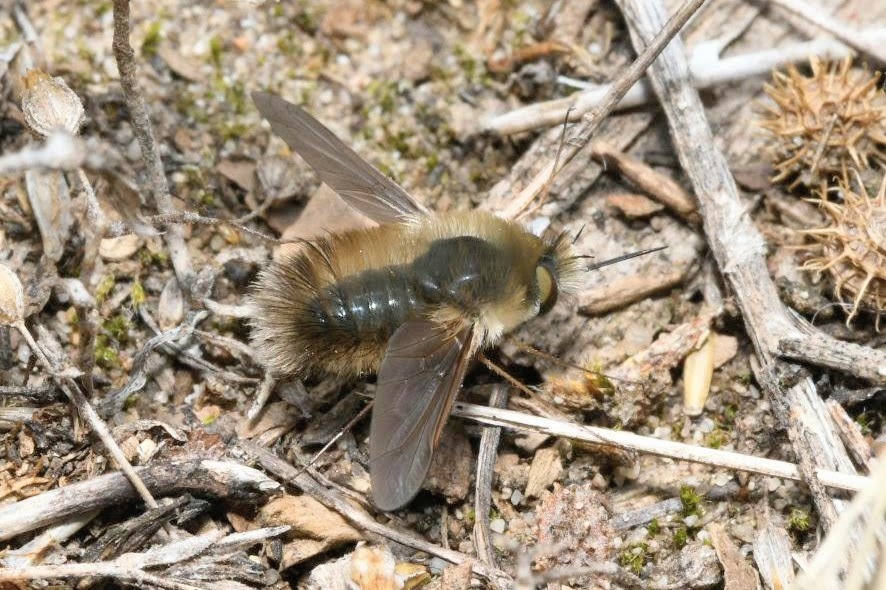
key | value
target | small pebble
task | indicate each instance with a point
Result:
(497, 526)
(691, 520)
(516, 497)
(437, 565)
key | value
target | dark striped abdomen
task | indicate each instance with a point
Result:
(460, 272)
(368, 306)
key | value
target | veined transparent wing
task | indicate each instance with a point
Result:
(360, 184)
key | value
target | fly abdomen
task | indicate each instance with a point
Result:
(369, 305)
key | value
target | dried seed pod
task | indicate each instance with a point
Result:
(12, 299)
(852, 249)
(825, 123)
(698, 371)
(50, 105)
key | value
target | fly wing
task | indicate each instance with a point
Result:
(361, 185)
(420, 375)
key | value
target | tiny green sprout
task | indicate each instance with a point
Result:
(799, 520)
(691, 501)
(137, 294)
(680, 538)
(383, 93)
(729, 413)
(716, 439)
(470, 515)
(864, 423)
(73, 317)
(287, 45)
(105, 355)
(653, 528)
(634, 557)
(105, 286)
(216, 46)
(153, 37)
(117, 327)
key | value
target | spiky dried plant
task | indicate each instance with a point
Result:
(825, 123)
(852, 248)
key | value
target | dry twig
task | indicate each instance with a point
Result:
(707, 67)
(200, 478)
(739, 250)
(161, 567)
(485, 465)
(653, 446)
(141, 125)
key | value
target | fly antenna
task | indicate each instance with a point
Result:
(624, 257)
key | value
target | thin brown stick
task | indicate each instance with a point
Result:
(593, 119)
(141, 126)
(659, 186)
(334, 501)
(485, 466)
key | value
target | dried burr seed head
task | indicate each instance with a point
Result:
(50, 105)
(852, 249)
(825, 123)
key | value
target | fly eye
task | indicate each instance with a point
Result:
(547, 288)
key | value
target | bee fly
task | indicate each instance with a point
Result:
(411, 300)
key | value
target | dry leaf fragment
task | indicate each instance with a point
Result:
(309, 518)
(171, 308)
(772, 552)
(545, 470)
(240, 172)
(12, 298)
(455, 577)
(184, 66)
(633, 205)
(737, 572)
(374, 568)
(50, 202)
(698, 370)
(50, 105)
(119, 248)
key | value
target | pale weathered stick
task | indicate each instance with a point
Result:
(652, 446)
(739, 250)
(136, 567)
(199, 477)
(851, 36)
(141, 126)
(707, 70)
(60, 151)
(483, 490)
